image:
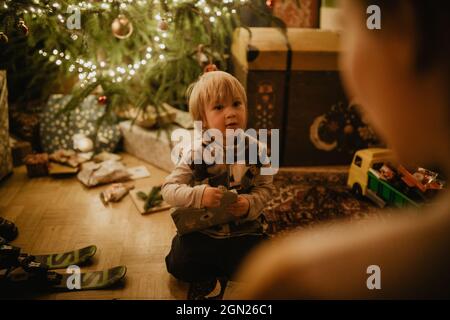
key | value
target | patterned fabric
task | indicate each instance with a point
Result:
(241, 176)
(305, 199)
(5, 149)
(185, 185)
(57, 130)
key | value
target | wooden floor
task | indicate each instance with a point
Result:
(55, 215)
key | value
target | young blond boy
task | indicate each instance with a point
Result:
(219, 101)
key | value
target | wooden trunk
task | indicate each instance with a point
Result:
(291, 81)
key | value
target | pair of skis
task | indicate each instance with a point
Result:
(20, 270)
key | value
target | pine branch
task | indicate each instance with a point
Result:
(155, 82)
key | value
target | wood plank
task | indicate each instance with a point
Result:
(55, 215)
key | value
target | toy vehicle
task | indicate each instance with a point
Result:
(368, 176)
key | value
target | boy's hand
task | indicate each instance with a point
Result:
(240, 207)
(211, 197)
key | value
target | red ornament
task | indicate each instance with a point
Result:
(163, 25)
(23, 27)
(210, 67)
(102, 99)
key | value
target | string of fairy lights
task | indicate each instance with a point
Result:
(89, 71)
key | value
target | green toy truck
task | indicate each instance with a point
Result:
(366, 178)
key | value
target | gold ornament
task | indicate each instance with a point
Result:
(121, 27)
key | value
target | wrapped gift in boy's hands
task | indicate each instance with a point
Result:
(239, 208)
(194, 219)
(231, 202)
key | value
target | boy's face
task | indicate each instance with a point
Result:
(227, 114)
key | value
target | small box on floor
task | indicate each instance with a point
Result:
(37, 165)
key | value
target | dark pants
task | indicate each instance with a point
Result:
(197, 257)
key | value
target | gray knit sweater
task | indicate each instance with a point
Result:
(185, 185)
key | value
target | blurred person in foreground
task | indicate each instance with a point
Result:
(400, 74)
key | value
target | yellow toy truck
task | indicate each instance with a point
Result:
(367, 178)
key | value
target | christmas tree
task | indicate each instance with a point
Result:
(139, 52)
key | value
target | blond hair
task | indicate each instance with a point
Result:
(213, 87)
